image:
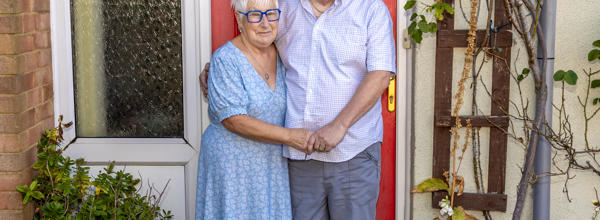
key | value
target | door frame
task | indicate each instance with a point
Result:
(404, 82)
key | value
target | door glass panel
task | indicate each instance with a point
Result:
(127, 65)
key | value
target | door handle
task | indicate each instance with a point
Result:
(392, 94)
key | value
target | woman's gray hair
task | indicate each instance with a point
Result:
(241, 5)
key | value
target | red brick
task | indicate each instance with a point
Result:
(26, 5)
(26, 119)
(8, 84)
(26, 43)
(45, 58)
(8, 45)
(43, 76)
(8, 104)
(13, 215)
(48, 92)
(11, 162)
(26, 82)
(14, 44)
(10, 24)
(9, 123)
(41, 5)
(17, 123)
(30, 137)
(8, 143)
(29, 22)
(10, 180)
(43, 22)
(42, 40)
(10, 6)
(48, 123)
(8, 65)
(28, 62)
(44, 111)
(31, 98)
(11, 200)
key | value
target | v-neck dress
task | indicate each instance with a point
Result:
(239, 178)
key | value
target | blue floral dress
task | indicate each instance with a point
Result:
(239, 178)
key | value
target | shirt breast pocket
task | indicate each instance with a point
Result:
(351, 47)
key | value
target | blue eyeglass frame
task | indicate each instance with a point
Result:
(262, 14)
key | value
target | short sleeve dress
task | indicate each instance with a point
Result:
(239, 178)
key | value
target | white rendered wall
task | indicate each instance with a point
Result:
(577, 26)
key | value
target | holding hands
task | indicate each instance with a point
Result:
(327, 137)
(322, 140)
(307, 141)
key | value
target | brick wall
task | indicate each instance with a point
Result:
(26, 99)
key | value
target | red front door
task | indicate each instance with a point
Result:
(224, 28)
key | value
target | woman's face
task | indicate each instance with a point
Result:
(263, 33)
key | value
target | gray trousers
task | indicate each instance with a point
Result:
(345, 190)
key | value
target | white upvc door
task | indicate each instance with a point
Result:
(155, 160)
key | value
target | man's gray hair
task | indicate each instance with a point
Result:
(241, 5)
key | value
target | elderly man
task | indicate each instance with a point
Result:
(339, 55)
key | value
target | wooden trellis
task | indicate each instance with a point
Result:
(448, 39)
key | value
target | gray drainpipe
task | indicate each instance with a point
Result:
(541, 196)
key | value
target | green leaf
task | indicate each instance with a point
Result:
(23, 189)
(431, 185)
(409, 4)
(594, 54)
(595, 101)
(423, 17)
(459, 213)
(37, 195)
(423, 26)
(439, 12)
(571, 77)
(596, 43)
(433, 27)
(525, 71)
(595, 84)
(448, 8)
(521, 77)
(33, 185)
(26, 198)
(559, 75)
(412, 27)
(413, 16)
(417, 36)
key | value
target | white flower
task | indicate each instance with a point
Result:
(447, 210)
(450, 212)
(442, 204)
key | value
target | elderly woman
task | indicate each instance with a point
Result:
(241, 173)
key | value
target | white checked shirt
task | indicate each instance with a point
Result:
(326, 60)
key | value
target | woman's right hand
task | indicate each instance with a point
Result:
(298, 139)
(203, 78)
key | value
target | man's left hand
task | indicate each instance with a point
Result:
(327, 137)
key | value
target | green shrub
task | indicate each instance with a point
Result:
(63, 188)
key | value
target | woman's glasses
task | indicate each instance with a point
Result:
(256, 16)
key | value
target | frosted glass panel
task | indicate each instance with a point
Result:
(127, 64)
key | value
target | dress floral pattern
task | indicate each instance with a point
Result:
(239, 178)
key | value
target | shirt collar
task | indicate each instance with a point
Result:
(308, 7)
